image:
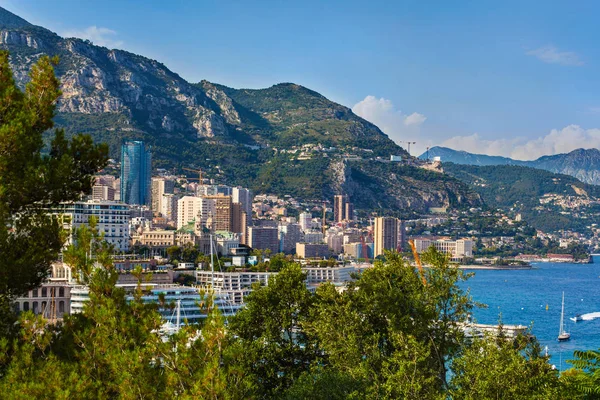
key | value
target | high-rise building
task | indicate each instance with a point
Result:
(386, 234)
(305, 220)
(244, 197)
(222, 218)
(168, 206)
(289, 235)
(342, 209)
(136, 170)
(189, 208)
(338, 208)
(160, 186)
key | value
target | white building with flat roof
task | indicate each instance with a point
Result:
(112, 217)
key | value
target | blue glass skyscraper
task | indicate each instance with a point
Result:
(136, 173)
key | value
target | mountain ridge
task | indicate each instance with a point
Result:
(285, 139)
(583, 164)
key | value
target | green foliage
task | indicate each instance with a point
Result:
(498, 368)
(275, 349)
(31, 181)
(520, 188)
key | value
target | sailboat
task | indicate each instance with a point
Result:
(563, 335)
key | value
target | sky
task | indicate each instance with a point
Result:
(510, 78)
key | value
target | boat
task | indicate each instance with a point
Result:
(577, 318)
(563, 335)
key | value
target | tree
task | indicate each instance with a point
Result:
(390, 332)
(31, 181)
(275, 348)
(499, 368)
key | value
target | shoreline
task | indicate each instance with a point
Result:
(496, 267)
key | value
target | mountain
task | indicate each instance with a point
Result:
(547, 200)
(584, 164)
(286, 139)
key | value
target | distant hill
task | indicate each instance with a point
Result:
(548, 201)
(286, 139)
(584, 164)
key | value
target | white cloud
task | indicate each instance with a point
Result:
(551, 55)
(557, 141)
(397, 125)
(99, 36)
(414, 119)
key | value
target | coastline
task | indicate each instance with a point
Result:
(496, 267)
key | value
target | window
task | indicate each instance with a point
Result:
(35, 307)
(35, 293)
(44, 292)
(16, 307)
(26, 306)
(44, 305)
(61, 306)
(61, 292)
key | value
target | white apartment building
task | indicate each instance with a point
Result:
(328, 274)
(455, 248)
(305, 221)
(236, 284)
(113, 219)
(192, 208)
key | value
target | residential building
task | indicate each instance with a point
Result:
(244, 197)
(160, 187)
(103, 192)
(313, 237)
(136, 169)
(343, 210)
(455, 248)
(112, 219)
(308, 250)
(289, 235)
(188, 209)
(305, 220)
(386, 234)
(264, 238)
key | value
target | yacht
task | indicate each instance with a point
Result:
(563, 335)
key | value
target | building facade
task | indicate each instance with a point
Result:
(112, 219)
(386, 234)
(136, 173)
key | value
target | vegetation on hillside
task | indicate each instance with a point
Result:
(521, 188)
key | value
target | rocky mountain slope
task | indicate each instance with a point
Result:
(583, 164)
(286, 139)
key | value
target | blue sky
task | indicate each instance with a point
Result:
(516, 78)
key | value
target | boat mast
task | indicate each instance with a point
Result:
(562, 315)
(178, 313)
(212, 264)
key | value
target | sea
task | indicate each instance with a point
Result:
(532, 297)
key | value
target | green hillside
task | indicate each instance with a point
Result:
(548, 201)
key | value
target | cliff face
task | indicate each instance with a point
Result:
(285, 139)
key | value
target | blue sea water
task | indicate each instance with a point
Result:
(521, 297)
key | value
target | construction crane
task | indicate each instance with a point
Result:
(199, 172)
(418, 261)
(323, 220)
(408, 145)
